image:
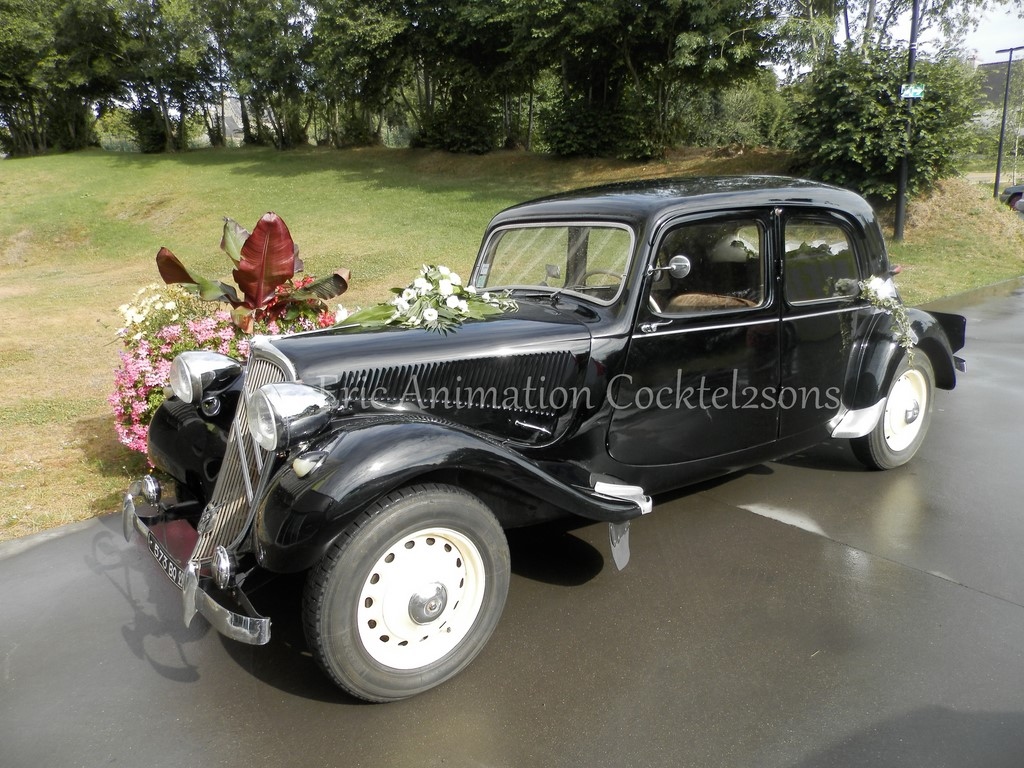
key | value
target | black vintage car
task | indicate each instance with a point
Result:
(657, 334)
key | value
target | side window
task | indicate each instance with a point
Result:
(819, 262)
(725, 262)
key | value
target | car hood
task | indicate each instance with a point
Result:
(513, 375)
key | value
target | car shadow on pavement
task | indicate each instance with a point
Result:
(834, 455)
(157, 617)
(551, 554)
(286, 662)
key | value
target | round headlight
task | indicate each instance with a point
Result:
(192, 372)
(262, 422)
(281, 415)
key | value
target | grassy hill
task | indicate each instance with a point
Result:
(78, 236)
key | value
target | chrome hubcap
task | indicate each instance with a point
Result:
(428, 604)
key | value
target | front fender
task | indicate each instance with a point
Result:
(299, 518)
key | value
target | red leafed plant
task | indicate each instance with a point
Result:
(265, 262)
(161, 322)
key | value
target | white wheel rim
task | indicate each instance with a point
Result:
(905, 410)
(421, 598)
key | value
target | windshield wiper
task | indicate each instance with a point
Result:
(535, 292)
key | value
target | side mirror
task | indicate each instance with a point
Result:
(551, 272)
(678, 267)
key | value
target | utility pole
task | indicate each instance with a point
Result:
(909, 94)
(1002, 127)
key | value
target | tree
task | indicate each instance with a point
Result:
(168, 62)
(57, 63)
(852, 121)
(623, 66)
(358, 64)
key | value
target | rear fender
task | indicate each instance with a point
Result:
(299, 518)
(883, 354)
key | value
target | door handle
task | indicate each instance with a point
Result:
(652, 326)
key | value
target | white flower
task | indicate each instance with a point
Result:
(470, 289)
(421, 284)
(409, 294)
(340, 313)
(463, 306)
(170, 305)
(444, 287)
(454, 277)
(401, 304)
(884, 288)
(486, 297)
(444, 271)
(429, 315)
(453, 301)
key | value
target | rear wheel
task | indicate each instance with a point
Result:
(904, 422)
(410, 593)
(1013, 200)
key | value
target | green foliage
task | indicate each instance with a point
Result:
(853, 123)
(754, 113)
(57, 60)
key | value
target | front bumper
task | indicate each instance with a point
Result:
(171, 541)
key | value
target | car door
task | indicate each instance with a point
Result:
(821, 309)
(704, 350)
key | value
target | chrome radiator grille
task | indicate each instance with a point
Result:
(227, 515)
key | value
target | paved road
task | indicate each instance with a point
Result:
(806, 613)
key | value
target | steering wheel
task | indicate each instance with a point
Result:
(591, 272)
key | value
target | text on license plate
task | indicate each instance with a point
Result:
(170, 567)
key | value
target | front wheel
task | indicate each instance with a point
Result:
(409, 594)
(904, 421)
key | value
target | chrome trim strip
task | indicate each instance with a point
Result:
(697, 329)
(262, 347)
(840, 311)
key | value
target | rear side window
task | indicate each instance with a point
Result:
(819, 262)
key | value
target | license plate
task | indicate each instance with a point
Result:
(167, 563)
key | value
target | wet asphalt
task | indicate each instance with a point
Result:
(804, 613)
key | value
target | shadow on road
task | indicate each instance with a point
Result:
(145, 588)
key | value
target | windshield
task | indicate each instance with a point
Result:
(586, 259)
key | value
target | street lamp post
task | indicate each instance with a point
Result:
(901, 189)
(1002, 126)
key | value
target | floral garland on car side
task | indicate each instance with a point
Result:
(881, 294)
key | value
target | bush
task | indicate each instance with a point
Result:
(573, 128)
(852, 122)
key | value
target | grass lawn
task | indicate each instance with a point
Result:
(79, 232)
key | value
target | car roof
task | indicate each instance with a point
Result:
(647, 200)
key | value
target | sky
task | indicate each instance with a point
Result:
(1000, 28)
